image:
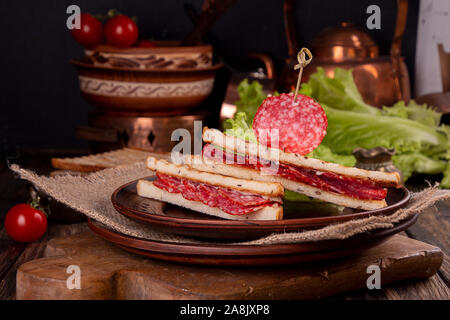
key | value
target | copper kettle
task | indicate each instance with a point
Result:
(381, 80)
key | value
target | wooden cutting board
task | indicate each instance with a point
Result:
(108, 272)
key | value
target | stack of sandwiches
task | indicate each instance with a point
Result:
(235, 179)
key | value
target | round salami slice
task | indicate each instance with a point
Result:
(301, 125)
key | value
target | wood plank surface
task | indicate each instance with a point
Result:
(432, 288)
(433, 227)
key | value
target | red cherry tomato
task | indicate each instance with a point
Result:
(91, 32)
(121, 31)
(24, 223)
(146, 44)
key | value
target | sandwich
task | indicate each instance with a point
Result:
(212, 193)
(330, 182)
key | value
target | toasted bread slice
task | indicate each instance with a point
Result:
(231, 143)
(247, 173)
(268, 189)
(100, 161)
(147, 189)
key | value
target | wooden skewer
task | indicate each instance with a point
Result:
(302, 62)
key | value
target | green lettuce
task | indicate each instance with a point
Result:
(348, 130)
(413, 111)
(251, 96)
(294, 196)
(445, 183)
(340, 92)
(324, 153)
(408, 163)
(239, 127)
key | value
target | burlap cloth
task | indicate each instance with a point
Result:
(91, 195)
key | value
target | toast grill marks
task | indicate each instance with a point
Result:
(228, 200)
(327, 181)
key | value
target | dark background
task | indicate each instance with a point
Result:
(40, 101)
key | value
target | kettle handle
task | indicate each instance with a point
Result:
(289, 27)
(400, 26)
(396, 49)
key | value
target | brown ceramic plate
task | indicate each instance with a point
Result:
(297, 216)
(245, 255)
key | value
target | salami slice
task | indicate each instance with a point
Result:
(301, 125)
(162, 185)
(168, 183)
(241, 198)
(208, 195)
(191, 191)
(237, 210)
(224, 204)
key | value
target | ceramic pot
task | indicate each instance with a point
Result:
(116, 90)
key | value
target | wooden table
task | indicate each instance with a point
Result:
(432, 227)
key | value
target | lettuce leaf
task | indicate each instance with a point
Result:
(324, 153)
(408, 163)
(294, 196)
(445, 183)
(251, 96)
(239, 127)
(348, 130)
(413, 111)
(339, 92)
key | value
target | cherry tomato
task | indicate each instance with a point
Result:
(91, 32)
(121, 31)
(24, 223)
(146, 44)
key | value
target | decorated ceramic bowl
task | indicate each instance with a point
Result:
(152, 91)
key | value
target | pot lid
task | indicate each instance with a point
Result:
(344, 42)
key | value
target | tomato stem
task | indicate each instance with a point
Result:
(113, 12)
(101, 17)
(36, 203)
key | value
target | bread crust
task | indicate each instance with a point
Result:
(100, 161)
(216, 137)
(61, 163)
(147, 189)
